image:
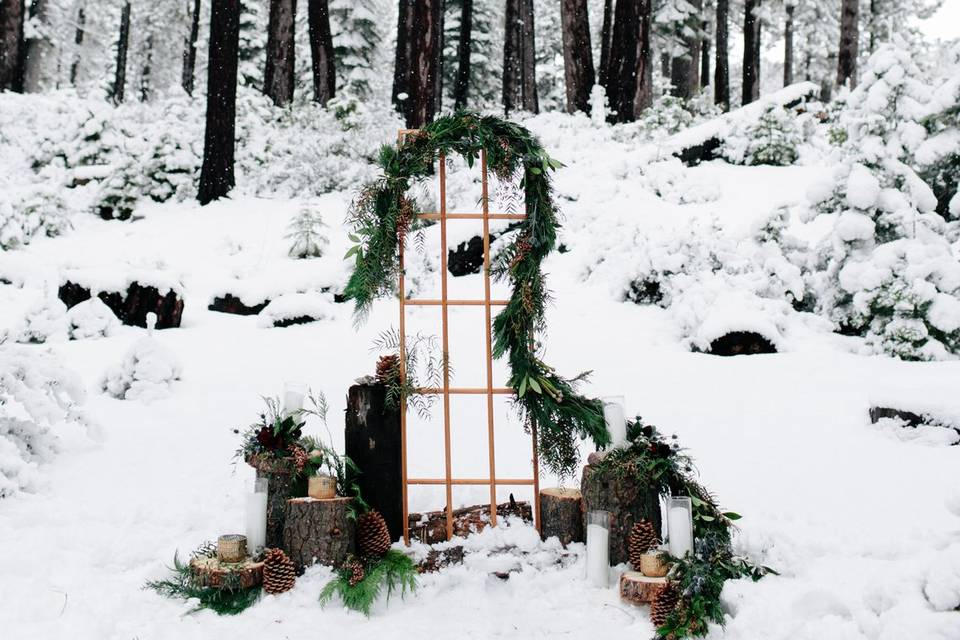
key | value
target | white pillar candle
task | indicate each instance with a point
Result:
(614, 416)
(680, 526)
(293, 394)
(255, 514)
(598, 548)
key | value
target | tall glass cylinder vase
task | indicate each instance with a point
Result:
(680, 526)
(293, 395)
(255, 514)
(615, 419)
(598, 548)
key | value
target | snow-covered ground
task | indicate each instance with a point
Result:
(863, 527)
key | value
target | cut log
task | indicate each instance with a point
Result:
(210, 572)
(439, 558)
(637, 588)
(229, 303)
(627, 501)
(319, 531)
(431, 527)
(372, 441)
(131, 306)
(281, 480)
(561, 515)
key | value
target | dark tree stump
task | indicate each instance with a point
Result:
(131, 306)
(466, 257)
(909, 417)
(693, 155)
(372, 439)
(627, 502)
(561, 515)
(281, 481)
(229, 303)
(431, 527)
(741, 343)
(318, 531)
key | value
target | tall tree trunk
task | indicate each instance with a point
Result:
(606, 31)
(401, 66)
(519, 72)
(577, 54)
(751, 51)
(146, 70)
(321, 51)
(705, 61)
(849, 40)
(461, 90)
(643, 97)
(278, 74)
(788, 47)
(685, 69)
(216, 175)
(123, 43)
(721, 74)
(625, 47)
(424, 39)
(190, 51)
(438, 74)
(11, 44)
(78, 42)
(35, 75)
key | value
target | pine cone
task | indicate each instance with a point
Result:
(664, 604)
(356, 569)
(279, 574)
(388, 368)
(643, 538)
(373, 537)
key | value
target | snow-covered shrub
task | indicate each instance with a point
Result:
(888, 271)
(91, 319)
(296, 308)
(36, 394)
(667, 115)
(672, 181)
(771, 140)
(306, 234)
(939, 155)
(34, 210)
(147, 372)
(45, 322)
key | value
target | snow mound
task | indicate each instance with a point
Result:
(91, 319)
(296, 308)
(45, 322)
(147, 372)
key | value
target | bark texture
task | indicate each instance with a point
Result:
(209, 572)
(685, 70)
(123, 44)
(627, 502)
(606, 33)
(849, 40)
(190, 51)
(321, 51)
(519, 70)
(629, 60)
(788, 47)
(638, 589)
(561, 515)
(320, 531)
(130, 306)
(577, 55)
(278, 74)
(216, 174)
(280, 475)
(11, 45)
(461, 90)
(424, 42)
(372, 440)
(36, 72)
(751, 51)
(704, 61)
(401, 67)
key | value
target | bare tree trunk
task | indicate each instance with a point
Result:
(37, 49)
(78, 41)
(461, 91)
(643, 97)
(519, 72)
(321, 51)
(438, 74)
(873, 26)
(278, 74)
(190, 51)
(120, 76)
(577, 54)
(705, 61)
(606, 31)
(751, 51)
(216, 175)
(721, 76)
(424, 40)
(146, 70)
(401, 66)
(849, 40)
(788, 47)
(11, 44)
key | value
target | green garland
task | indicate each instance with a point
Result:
(226, 600)
(394, 570)
(383, 216)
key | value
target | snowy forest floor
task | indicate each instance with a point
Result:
(862, 526)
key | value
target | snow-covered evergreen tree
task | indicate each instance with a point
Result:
(306, 234)
(772, 139)
(939, 155)
(357, 35)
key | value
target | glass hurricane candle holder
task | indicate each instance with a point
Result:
(615, 418)
(680, 526)
(598, 548)
(293, 395)
(255, 512)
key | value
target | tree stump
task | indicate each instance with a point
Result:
(318, 531)
(281, 480)
(210, 572)
(637, 588)
(131, 306)
(561, 515)
(627, 501)
(372, 441)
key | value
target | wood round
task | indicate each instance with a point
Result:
(637, 588)
(210, 572)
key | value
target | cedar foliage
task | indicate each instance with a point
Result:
(227, 600)
(394, 572)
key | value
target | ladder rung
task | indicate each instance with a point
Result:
(466, 390)
(432, 215)
(453, 303)
(471, 481)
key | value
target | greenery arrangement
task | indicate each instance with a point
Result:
(228, 599)
(359, 581)
(424, 365)
(383, 216)
(279, 434)
(661, 463)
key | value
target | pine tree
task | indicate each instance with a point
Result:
(356, 38)
(486, 29)
(253, 43)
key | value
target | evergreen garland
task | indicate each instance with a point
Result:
(383, 216)
(226, 600)
(393, 570)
